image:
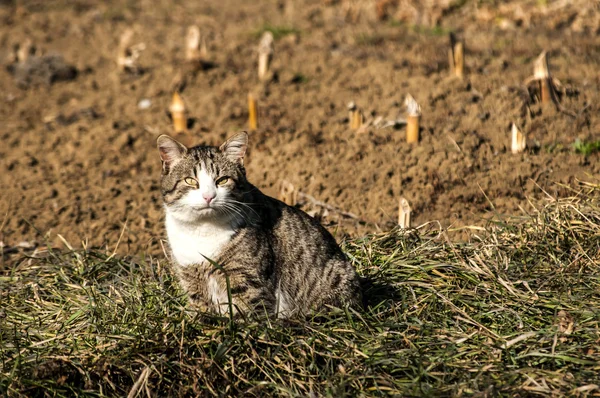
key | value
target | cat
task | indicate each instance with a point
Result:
(277, 259)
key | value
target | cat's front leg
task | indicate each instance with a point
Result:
(249, 294)
(193, 279)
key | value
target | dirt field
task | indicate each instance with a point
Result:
(78, 157)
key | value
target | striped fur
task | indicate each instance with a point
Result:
(278, 260)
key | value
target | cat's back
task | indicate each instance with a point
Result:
(309, 266)
(297, 234)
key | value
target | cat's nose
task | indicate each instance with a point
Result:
(208, 197)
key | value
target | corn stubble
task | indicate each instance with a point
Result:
(413, 119)
(456, 56)
(178, 113)
(252, 112)
(355, 116)
(265, 56)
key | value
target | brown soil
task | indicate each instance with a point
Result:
(78, 157)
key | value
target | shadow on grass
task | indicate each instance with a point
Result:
(378, 293)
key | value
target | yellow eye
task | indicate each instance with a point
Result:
(191, 181)
(223, 180)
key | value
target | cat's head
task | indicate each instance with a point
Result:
(203, 182)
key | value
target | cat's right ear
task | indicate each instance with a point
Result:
(235, 147)
(170, 150)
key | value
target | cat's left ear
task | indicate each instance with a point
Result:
(235, 147)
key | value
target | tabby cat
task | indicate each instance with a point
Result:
(279, 260)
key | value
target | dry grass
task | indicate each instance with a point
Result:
(514, 312)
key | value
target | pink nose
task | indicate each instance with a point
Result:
(208, 197)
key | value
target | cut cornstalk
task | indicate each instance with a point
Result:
(358, 119)
(459, 60)
(124, 41)
(355, 116)
(24, 50)
(193, 42)
(288, 194)
(404, 214)
(547, 86)
(265, 55)
(413, 119)
(541, 73)
(456, 56)
(518, 140)
(177, 109)
(252, 112)
(351, 110)
(128, 54)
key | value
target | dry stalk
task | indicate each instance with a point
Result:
(177, 109)
(252, 112)
(413, 119)
(404, 213)
(456, 56)
(128, 55)
(541, 73)
(288, 194)
(265, 55)
(355, 116)
(547, 85)
(195, 45)
(314, 201)
(518, 140)
(25, 50)
(459, 60)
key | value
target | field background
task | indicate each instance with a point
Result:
(495, 294)
(78, 158)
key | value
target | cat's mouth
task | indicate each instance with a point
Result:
(204, 210)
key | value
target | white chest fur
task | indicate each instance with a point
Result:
(190, 243)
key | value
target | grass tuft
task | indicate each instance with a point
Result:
(586, 148)
(278, 31)
(513, 312)
(369, 39)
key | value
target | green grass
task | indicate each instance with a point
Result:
(514, 312)
(278, 31)
(369, 39)
(586, 147)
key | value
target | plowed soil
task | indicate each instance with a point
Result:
(78, 157)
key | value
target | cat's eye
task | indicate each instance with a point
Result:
(191, 181)
(223, 180)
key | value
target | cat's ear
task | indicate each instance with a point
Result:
(170, 150)
(235, 147)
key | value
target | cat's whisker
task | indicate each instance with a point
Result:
(254, 212)
(229, 213)
(237, 202)
(235, 211)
